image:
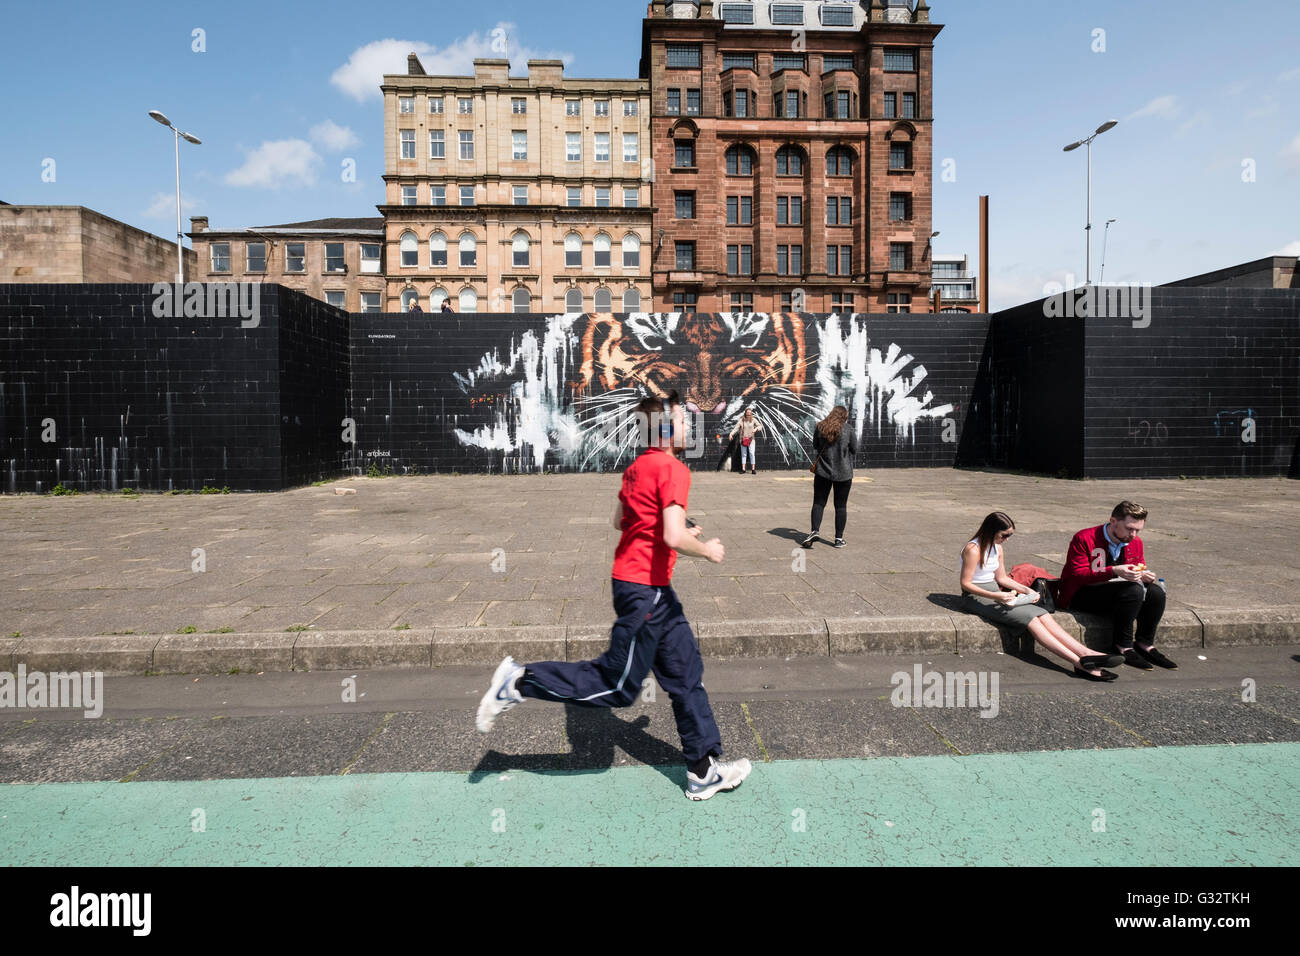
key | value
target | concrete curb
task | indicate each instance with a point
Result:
(946, 632)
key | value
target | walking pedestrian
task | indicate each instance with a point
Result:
(835, 450)
(747, 428)
(651, 632)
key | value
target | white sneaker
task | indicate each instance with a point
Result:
(721, 776)
(501, 694)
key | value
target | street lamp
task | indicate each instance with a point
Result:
(180, 261)
(1104, 236)
(1109, 124)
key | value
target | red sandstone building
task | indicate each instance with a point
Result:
(792, 154)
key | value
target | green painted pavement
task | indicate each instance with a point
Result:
(1209, 805)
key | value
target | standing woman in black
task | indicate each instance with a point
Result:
(834, 450)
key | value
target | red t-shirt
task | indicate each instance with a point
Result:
(651, 483)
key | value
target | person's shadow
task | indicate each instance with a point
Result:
(788, 533)
(593, 733)
(1021, 646)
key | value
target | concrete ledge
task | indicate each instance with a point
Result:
(346, 650)
(1266, 625)
(220, 653)
(891, 635)
(978, 635)
(487, 645)
(583, 642)
(7, 647)
(1183, 628)
(123, 654)
(763, 638)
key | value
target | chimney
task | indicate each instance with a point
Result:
(984, 254)
(413, 66)
(198, 224)
(922, 12)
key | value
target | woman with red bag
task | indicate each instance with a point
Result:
(748, 427)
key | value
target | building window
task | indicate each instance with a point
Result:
(684, 56)
(519, 250)
(520, 195)
(436, 299)
(789, 260)
(573, 107)
(409, 298)
(900, 61)
(900, 155)
(521, 300)
(406, 104)
(408, 195)
(686, 298)
(602, 147)
(604, 300)
(255, 257)
(738, 61)
(839, 161)
(674, 102)
(438, 250)
(438, 195)
(740, 210)
(742, 302)
(410, 250)
(830, 62)
(899, 256)
(737, 13)
(630, 108)
(573, 300)
(220, 256)
(909, 106)
(572, 147)
(789, 210)
(600, 249)
(898, 302)
(840, 108)
(574, 194)
(573, 251)
(740, 161)
(631, 147)
(631, 300)
(370, 258)
(791, 101)
(900, 207)
(685, 203)
(408, 143)
(467, 144)
(519, 144)
(742, 103)
(602, 107)
(468, 250)
(295, 257)
(684, 154)
(518, 105)
(839, 260)
(370, 302)
(631, 197)
(435, 104)
(336, 298)
(468, 300)
(891, 106)
(685, 256)
(842, 300)
(839, 210)
(786, 61)
(740, 260)
(631, 252)
(602, 196)
(467, 195)
(692, 102)
(334, 257)
(947, 270)
(464, 104)
(789, 161)
(786, 13)
(437, 144)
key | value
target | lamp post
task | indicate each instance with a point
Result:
(1104, 236)
(180, 249)
(1109, 124)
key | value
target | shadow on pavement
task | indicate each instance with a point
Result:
(789, 534)
(593, 732)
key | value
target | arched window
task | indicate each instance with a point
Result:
(631, 252)
(519, 245)
(437, 249)
(740, 161)
(631, 300)
(601, 245)
(410, 249)
(409, 298)
(436, 300)
(839, 161)
(468, 300)
(522, 300)
(573, 300)
(468, 252)
(573, 251)
(604, 301)
(789, 161)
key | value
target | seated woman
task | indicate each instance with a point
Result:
(982, 569)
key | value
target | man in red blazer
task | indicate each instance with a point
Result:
(1105, 572)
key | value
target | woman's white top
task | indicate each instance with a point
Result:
(987, 573)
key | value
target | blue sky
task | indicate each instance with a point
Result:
(284, 92)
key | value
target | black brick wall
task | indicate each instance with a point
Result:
(314, 382)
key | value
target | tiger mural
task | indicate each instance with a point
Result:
(572, 389)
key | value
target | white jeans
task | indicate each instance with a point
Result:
(747, 455)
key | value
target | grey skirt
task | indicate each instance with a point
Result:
(1014, 618)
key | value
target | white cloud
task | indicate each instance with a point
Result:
(1289, 75)
(276, 163)
(1164, 106)
(361, 76)
(333, 138)
(163, 206)
(1199, 118)
(1290, 249)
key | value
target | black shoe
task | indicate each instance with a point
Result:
(839, 542)
(1105, 677)
(808, 541)
(1155, 657)
(1101, 660)
(1133, 659)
